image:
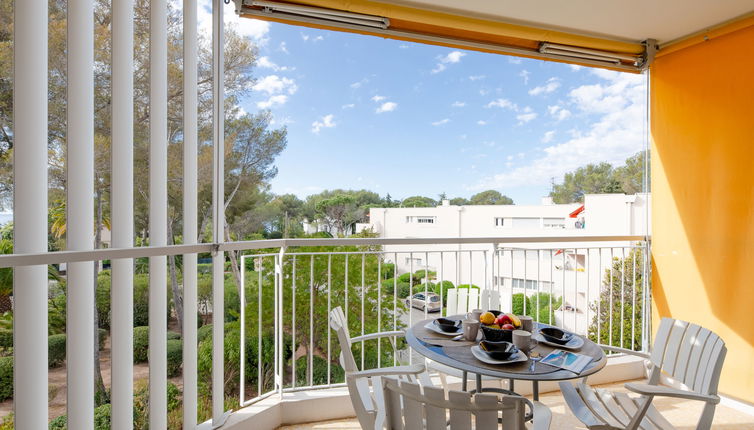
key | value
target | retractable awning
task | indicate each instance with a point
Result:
(447, 29)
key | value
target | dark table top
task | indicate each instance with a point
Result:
(457, 354)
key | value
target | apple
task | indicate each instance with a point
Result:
(506, 319)
(501, 319)
(508, 327)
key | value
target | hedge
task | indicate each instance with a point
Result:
(55, 350)
(141, 344)
(319, 371)
(141, 402)
(6, 378)
(204, 332)
(173, 335)
(175, 357)
(6, 338)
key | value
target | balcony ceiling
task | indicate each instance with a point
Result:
(631, 21)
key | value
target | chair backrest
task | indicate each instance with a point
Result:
(411, 406)
(340, 325)
(451, 303)
(489, 300)
(690, 354)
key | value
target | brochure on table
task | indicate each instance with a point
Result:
(567, 360)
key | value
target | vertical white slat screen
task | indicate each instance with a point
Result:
(190, 131)
(122, 215)
(158, 131)
(80, 214)
(218, 218)
(30, 212)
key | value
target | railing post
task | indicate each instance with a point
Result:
(80, 322)
(279, 321)
(30, 212)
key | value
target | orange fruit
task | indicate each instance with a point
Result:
(487, 318)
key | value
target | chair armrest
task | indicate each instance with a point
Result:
(661, 390)
(625, 351)
(542, 416)
(397, 333)
(413, 369)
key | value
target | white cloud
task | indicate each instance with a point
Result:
(253, 29)
(283, 47)
(325, 122)
(306, 38)
(476, 77)
(452, 58)
(274, 84)
(558, 112)
(266, 63)
(548, 136)
(387, 107)
(502, 103)
(348, 106)
(481, 122)
(458, 104)
(551, 85)
(525, 74)
(575, 67)
(378, 98)
(441, 122)
(526, 117)
(359, 84)
(514, 60)
(273, 101)
(617, 104)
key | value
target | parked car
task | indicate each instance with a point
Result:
(429, 302)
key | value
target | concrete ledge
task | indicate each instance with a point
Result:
(334, 403)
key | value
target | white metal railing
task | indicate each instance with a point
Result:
(603, 294)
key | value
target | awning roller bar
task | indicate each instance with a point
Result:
(380, 26)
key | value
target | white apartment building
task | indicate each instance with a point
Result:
(573, 271)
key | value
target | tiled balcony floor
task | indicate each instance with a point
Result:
(682, 414)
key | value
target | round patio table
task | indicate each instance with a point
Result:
(457, 354)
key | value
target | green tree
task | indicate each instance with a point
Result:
(459, 201)
(418, 202)
(617, 318)
(631, 174)
(490, 197)
(590, 179)
(339, 213)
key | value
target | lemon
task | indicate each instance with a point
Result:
(487, 318)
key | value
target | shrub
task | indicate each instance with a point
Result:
(6, 378)
(204, 332)
(388, 271)
(388, 286)
(55, 350)
(102, 338)
(175, 357)
(141, 300)
(7, 422)
(102, 298)
(421, 274)
(6, 338)
(204, 268)
(518, 301)
(102, 417)
(404, 289)
(141, 344)
(141, 402)
(319, 371)
(441, 289)
(59, 423)
(406, 277)
(173, 335)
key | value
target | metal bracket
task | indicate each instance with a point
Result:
(215, 249)
(650, 49)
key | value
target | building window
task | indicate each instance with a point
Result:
(416, 261)
(553, 223)
(502, 222)
(531, 284)
(421, 219)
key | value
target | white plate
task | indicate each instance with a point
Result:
(483, 357)
(575, 343)
(431, 326)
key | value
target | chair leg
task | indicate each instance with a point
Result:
(464, 381)
(705, 421)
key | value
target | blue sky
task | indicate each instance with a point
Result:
(406, 119)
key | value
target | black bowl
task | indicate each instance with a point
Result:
(448, 325)
(556, 335)
(497, 334)
(498, 350)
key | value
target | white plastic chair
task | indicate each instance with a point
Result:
(367, 404)
(489, 300)
(410, 406)
(691, 355)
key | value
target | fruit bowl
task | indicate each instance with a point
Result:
(556, 335)
(493, 334)
(498, 350)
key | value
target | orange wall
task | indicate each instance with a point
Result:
(702, 122)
